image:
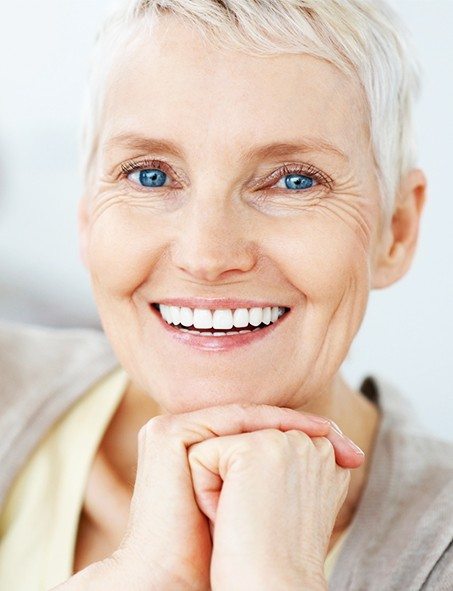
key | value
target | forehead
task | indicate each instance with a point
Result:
(172, 83)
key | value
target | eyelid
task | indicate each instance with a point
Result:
(135, 165)
(306, 169)
(303, 169)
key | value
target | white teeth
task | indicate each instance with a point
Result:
(175, 313)
(165, 311)
(274, 314)
(222, 319)
(186, 317)
(241, 318)
(256, 316)
(202, 318)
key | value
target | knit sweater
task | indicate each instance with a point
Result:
(400, 538)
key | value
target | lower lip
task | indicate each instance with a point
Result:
(220, 343)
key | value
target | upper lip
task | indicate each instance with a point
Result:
(217, 303)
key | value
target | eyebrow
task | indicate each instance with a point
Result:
(271, 150)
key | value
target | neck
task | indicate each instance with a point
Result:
(359, 420)
(356, 416)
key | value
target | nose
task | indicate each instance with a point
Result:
(212, 242)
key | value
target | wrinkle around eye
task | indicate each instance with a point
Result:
(288, 201)
(103, 202)
(127, 197)
(351, 214)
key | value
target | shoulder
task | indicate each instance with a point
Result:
(44, 341)
(422, 493)
(34, 359)
(418, 469)
(42, 372)
(417, 459)
(402, 533)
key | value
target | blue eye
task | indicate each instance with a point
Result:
(152, 177)
(299, 181)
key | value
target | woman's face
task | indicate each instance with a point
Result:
(225, 181)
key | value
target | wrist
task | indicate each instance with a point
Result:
(150, 576)
(265, 580)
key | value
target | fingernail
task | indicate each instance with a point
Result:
(336, 428)
(355, 447)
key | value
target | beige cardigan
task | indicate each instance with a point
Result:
(401, 535)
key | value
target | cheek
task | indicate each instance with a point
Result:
(123, 247)
(327, 262)
(322, 257)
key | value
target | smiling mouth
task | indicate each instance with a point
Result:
(222, 321)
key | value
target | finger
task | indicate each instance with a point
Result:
(231, 419)
(163, 441)
(347, 453)
(209, 461)
(207, 485)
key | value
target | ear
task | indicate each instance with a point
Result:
(83, 226)
(399, 239)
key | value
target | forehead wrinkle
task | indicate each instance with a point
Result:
(267, 151)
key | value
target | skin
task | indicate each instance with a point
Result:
(222, 228)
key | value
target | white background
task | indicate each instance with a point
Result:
(406, 335)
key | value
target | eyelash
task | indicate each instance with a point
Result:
(303, 169)
(309, 170)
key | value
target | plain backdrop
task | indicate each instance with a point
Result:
(406, 334)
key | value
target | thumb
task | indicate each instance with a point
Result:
(208, 462)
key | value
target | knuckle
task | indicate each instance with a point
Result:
(299, 440)
(264, 442)
(243, 409)
(268, 444)
(299, 436)
(273, 436)
(193, 452)
(324, 446)
(158, 425)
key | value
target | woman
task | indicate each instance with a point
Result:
(249, 178)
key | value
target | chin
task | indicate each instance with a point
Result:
(178, 393)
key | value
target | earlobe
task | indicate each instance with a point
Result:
(83, 230)
(397, 247)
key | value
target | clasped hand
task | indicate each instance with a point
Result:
(239, 496)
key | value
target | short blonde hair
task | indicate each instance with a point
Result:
(364, 38)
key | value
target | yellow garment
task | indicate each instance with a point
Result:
(39, 522)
